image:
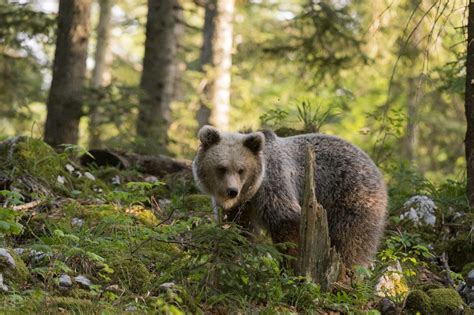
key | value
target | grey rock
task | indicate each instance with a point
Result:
(77, 222)
(386, 307)
(151, 179)
(83, 281)
(131, 308)
(113, 288)
(19, 250)
(3, 286)
(7, 257)
(37, 255)
(470, 297)
(89, 176)
(65, 281)
(470, 278)
(167, 285)
(471, 305)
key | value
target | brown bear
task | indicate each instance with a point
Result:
(258, 180)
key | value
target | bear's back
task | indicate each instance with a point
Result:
(343, 174)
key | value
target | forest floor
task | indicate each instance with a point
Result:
(105, 240)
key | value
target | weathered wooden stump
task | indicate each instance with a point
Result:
(317, 260)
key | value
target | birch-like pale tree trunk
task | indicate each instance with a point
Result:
(216, 63)
(101, 73)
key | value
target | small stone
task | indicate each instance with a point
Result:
(19, 250)
(61, 179)
(113, 288)
(37, 255)
(471, 305)
(164, 203)
(89, 176)
(77, 174)
(386, 306)
(151, 179)
(65, 281)
(83, 281)
(97, 190)
(470, 278)
(131, 308)
(167, 285)
(9, 258)
(470, 297)
(420, 210)
(77, 222)
(3, 286)
(69, 168)
(115, 180)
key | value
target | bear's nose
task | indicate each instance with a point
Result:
(232, 192)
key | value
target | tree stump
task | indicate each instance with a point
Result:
(317, 260)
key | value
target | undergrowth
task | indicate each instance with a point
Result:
(154, 247)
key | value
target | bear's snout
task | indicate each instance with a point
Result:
(232, 192)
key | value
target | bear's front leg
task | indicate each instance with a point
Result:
(287, 231)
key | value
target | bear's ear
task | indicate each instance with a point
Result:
(208, 136)
(254, 142)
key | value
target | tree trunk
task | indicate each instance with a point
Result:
(100, 74)
(158, 75)
(216, 63)
(469, 104)
(65, 96)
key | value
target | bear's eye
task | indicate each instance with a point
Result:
(221, 169)
(241, 171)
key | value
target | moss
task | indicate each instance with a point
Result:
(14, 276)
(198, 202)
(418, 301)
(79, 293)
(466, 268)
(39, 159)
(71, 304)
(145, 216)
(460, 251)
(431, 286)
(446, 301)
(131, 273)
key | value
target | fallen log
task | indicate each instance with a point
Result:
(157, 165)
(317, 261)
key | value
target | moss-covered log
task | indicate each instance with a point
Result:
(158, 165)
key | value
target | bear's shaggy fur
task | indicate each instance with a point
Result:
(258, 179)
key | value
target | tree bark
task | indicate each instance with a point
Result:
(317, 260)
(65, 96)
(469, 106)
(158, 75)
(216, 63)
(157, 165)
(100, 74)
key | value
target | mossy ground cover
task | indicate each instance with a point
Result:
(153, 247)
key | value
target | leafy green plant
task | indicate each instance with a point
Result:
(312, 117)
(8, 222)
(274, 118)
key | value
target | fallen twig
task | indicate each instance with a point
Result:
(27, 206)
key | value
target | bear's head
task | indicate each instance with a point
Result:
(229, 166)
